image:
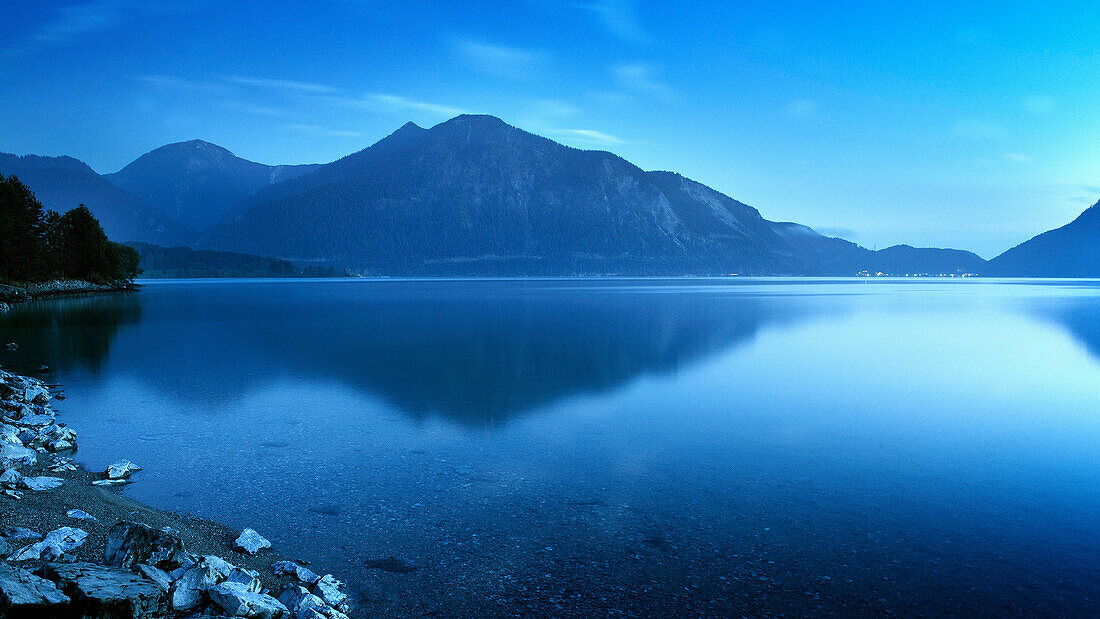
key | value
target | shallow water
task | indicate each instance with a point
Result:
(699, 446)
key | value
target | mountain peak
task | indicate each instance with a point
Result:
(478, 120)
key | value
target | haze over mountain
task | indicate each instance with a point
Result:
(476, 195)
(63, 183)
(1070, 251)
(198, 183)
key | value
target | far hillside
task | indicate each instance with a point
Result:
(183, 262)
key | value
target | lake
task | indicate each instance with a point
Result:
(600, 446)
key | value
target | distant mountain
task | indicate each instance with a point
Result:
(159, 262)
(906, 260)
(198, 183)
(63, 183)
(475, 195)
(1070, 251)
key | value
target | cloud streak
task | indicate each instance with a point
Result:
(618, 17)
(499, 60)
(397, 102)
(641, 79)
(285, 85)
(590, 136)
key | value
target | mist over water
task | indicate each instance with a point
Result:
(746, 444)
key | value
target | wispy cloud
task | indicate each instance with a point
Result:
(321, 130)
(1039, 105)
(802, 109)
(590, 136)
(979, 129)
(642, 79)
(278, 84)
(499, 60)
(618, 17)
(257, 110)
(72, 21)
(398, 102)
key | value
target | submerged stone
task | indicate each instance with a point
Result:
(398, 565)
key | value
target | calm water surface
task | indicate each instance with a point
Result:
(596, 446)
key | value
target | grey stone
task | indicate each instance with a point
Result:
(80, 514)
(33, 420)
(20, 533)
(289, 568)
(330, 590)
(235, 600)
(12, 346)
(54, 545)
(249, 578)
(12, 456)
(251, 542)
(154, 574)
(130, 543)
(41, 483)
(186, 592)
(5, 548)
(110, 482)
(10, 478)
(121, 470)
(24, 595)
(107, 592)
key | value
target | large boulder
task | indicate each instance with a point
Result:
(107, 592)
(236, 600)
(186, 593)
(25, 596)
(122, 469)
(331, 591)
(130, 543)
(251, 542)
(41, 483)
(12, 456)
(53, 546)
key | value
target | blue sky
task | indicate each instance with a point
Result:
(968, 125)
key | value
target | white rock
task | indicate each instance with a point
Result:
(10, 478)
(329, 590)
(41, 483)
(155, 574)
(251, 542)
(235, 600)
(291, 568)
(110, 482)
(12, 456)
(56, 543)
(80, 514)
(121, 470)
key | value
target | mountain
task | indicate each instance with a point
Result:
(474, 195)
(906, 260)
(198, 183)
(63, 183)
(1070, 251)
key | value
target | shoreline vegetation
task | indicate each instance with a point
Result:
(72, 546)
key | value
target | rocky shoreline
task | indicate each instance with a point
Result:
(71, 546)
(10, 295)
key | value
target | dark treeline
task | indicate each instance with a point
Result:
(38, 245)
(159, 261)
